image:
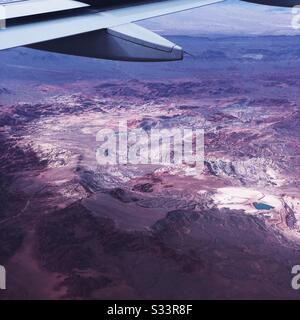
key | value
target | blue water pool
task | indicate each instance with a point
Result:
(262, 206)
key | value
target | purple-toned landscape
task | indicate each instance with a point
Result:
(72, 229)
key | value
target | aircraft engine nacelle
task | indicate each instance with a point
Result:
(279, 3)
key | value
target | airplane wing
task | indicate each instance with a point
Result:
(95, 28)
(17, 8)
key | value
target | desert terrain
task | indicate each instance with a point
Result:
(73, 229)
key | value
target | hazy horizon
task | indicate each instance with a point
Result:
(228, 18)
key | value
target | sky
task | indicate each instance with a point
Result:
(231, 17)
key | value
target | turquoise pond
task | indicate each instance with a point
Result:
(262, 206)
